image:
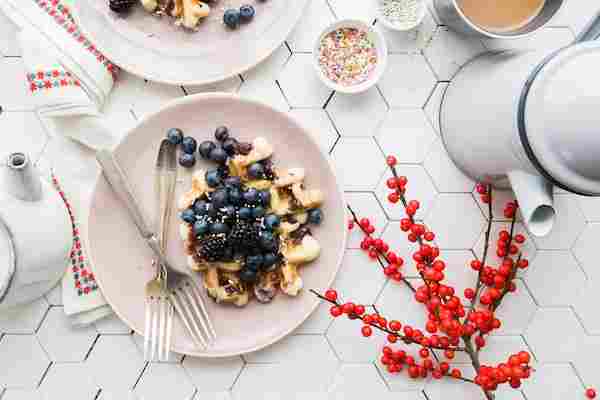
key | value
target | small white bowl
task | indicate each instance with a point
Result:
(383, 20)
(380, 45)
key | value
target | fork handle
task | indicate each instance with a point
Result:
(117, 180)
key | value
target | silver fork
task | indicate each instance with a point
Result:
(183, 292)
(159, 310)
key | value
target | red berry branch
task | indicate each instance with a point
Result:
(451, 325)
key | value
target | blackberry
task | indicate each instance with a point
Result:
(269, 171)
(212, 248)
(243, 236)
(121, 6)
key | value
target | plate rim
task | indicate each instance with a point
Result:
(188, 82)
(338, 187)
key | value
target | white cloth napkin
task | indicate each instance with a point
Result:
(69, 81)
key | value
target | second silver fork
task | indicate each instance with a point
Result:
(159, 309)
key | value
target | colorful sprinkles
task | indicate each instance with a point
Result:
(347, 56)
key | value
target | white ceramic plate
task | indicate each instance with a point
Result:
(121, 259)
(155, 49)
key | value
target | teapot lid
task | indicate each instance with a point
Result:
(559, 118)
(7, 259)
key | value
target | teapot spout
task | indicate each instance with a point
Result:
(22, 179)
(536, 203)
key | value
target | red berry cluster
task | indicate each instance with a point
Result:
(451, 324)
(512, 372)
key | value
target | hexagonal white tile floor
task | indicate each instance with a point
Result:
(554, 266)
(23, 361)
(62, 341)
(308, 92)
(326, 358)
(353, 175)
(411, 87)
(115, 350)
(456, 221)
(161, 381)
(406, 134)
(213, 375)
(359, 114)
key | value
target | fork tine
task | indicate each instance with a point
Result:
(182, 313)
(189, 292)
(162, 315)
(148, 320)
(198, 299)
(169, 330)
(193, 313)
(154, 334)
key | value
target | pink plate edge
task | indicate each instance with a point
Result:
(222, 95)
(235, 72)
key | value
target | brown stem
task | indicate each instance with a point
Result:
(486, 247)
(474, 356)
(379, 253)
(512, 276)
(403, 338)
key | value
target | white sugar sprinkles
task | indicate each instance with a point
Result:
(402, 14)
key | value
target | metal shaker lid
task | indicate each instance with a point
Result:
(560, 118)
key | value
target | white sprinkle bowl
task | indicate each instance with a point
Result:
(380, 46)
(409, 23)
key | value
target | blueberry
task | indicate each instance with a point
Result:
(267, 241)
(223, 171)
(200, 207)
(256, 171)
(218, 155)
(211, 210)
(189, 145)
(264, 197)
(272, 221)
(247, 12)
(251, 196)
(245, 213)
(200, 228)
(188, 216)
(254, 262)
(258, 212)
(235, 196)
(248, 276)
(231, 18)
(187, 160)
(315, 216)
(269, 259)
(205, 148)
(229, 211)
(219, 227)
(220, 198)
(222, 133)
(175, 136)
(212, 178)
(233, 182)
(230, 145)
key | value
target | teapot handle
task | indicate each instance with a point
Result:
(6, 283)
(591, 31)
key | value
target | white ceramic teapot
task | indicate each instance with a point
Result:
(35, 233)
(531, 120)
